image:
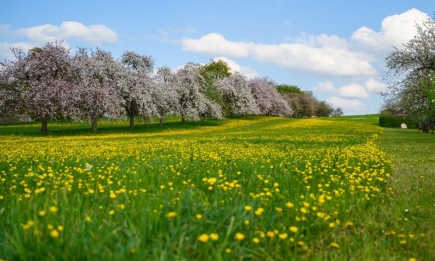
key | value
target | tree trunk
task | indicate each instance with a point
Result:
(161, 122)
(183, 120)
(44, 129)
(94, 125)
(131, 121)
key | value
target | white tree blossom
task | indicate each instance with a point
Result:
(135, 86)
(268, 99)
(95, 96)
(163, 93)
(236, 95)
(188, 84)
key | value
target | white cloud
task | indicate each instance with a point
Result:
(5, 49)
(216, 44)
(95, 34)
(396, 30)
(353, 90)
(325, 87)
(325, 60)
(248, 72)
(374, 86)
(347, 104)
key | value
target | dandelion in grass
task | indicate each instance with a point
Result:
(293, 229)
(203, 238)
(334, 245)
(289, 205)
(283, 236)
(41, 213)
(248, 208)
(54, 233)
(53, 209)
(88, 219)
(214, 236)
(259, 211)
(111, 212)
(239, 236)
(270, 234)
(171, 214)
(256, 240)
(228, 250)
(198, 216)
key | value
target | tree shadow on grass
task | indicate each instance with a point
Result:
(67, 128)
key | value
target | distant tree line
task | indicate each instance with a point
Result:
(49, 83)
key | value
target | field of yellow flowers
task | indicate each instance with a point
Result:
(252, 188)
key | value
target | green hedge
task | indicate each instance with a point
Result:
(390, 121)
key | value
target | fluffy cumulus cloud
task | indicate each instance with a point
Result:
(353, 90)
(373, 85)
(248, 72)
(347, 104)
(41, 34)
(95, 34)
(395, 31)
(324, 60)
(5, 49)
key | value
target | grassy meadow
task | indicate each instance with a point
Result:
(249, 188)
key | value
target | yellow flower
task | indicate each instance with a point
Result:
(270, 234)
(278, 209)
(228, 250)
(111, 212)
(289, 205)
(331, 225)
(413, 259)
(403, 242)
(88, 219)
(203, 238)
(303, 210)
(301, 243)
(283, 236)
(239, 236)
(60, 228)
(246, 222)
(198, 216)
(214, 236)
(335, 245)
(256, 240)
(53, 209)
(54, 233)
(50, 227)
(259, 211)
(248, 208)
(41, 213)
(293, 229)
(171, 214)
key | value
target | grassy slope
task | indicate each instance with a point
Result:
(409, 214)
(378, 230)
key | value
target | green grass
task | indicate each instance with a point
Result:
(359, 178)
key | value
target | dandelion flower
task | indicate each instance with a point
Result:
(198, 216)
(214, 236)
(171, 214)
(335, 245)
(239, 236)
(248, 208)
(283, 236)
(256, 240)
(54, 233)
(203, 238)
(293, 229)
(41, 213)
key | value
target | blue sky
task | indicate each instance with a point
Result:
(336, 49)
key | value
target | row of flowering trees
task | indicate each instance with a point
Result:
(49, 83)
